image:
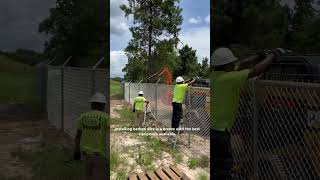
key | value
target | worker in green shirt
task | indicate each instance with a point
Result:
(178, 96)
(227, 77)
(138, 107)
(90, 141)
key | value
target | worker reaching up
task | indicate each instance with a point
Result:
(138, 107)
(227, 78)
(178, 96)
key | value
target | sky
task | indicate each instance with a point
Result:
(195, 31)
(19, 21)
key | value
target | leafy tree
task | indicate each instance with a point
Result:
(303, 11)
(155, 30)
(187, 62)
(204, 70)
(77, 28)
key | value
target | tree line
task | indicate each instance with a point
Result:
(251, 25)
(155, 38)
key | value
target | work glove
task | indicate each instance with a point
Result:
(134, 110)
(76, 155)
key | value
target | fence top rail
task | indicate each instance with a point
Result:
(288, 84)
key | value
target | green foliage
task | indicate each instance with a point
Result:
(192, 163)
(78, 29)
(155, 30)
(115, 160)
(26, 56)
(204, 70)
(187, 62)
(51, 162)
(268, 24)
(115, 90)
(202, 176)
(204, 161)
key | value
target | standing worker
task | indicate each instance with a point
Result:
(138, 107)
(178, 96)
(90, 141)
(227, 79)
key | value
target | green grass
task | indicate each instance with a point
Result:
(202, 162)
(115, 90)
(193, 163)
(114, 160)
(127, 117)
(51, 163)
(18, 83)
(202, 176)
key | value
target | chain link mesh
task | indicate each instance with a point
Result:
(196, 109)
(276, 134)
(54, 96)
(79, 84)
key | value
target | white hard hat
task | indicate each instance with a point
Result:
(222, 56)
(99, 98)
(140, 93)
(179, 79)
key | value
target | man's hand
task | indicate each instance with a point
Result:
(134, 110)
(76, 155)
(279, 51)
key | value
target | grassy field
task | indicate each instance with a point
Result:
(18, 82)
(115, 90)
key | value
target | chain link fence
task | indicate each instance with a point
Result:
(69, 90)
(196, 105)
(277, 131)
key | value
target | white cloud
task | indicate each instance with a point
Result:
(207, 19)
(195, 20)
(118, 23)
(199, 39)
(118, 60)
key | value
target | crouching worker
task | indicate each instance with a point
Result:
(90, 141)
(138, 107)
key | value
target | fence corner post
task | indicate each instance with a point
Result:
(188, 117)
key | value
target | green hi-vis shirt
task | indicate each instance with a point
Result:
(139, 102)
(94, 126)
(179, 92)
(225, 93)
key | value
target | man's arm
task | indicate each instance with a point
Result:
(262, 66)
(190, 81)
(134, 107)
(249, 62)
(77, 145)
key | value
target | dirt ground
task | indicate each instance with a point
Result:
(128, 144)
(23, 133)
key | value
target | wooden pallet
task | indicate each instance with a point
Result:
(163, 173)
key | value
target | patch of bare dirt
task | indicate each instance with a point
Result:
(24, 135)
(127, 145)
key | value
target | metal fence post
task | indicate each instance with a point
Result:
(93, 88)
(129, 92)
(62, 100)
(156, 101)
(255, 133)
(189, 114)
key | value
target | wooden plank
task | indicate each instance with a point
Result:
(133, 177)
(152, 176)
(162, 175)
(142, 176)
(185, 177)
(176, 170)
(171, 173)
